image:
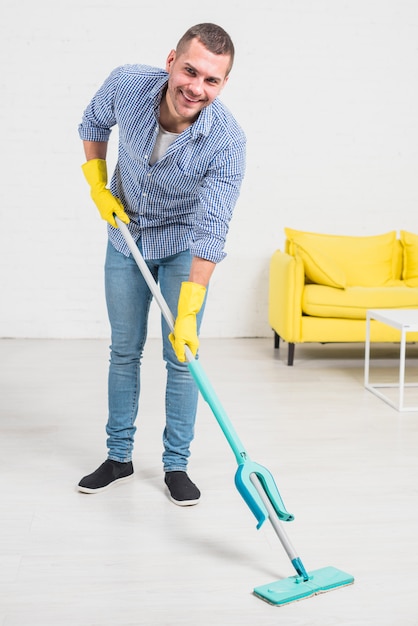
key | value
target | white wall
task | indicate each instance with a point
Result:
(326, 91)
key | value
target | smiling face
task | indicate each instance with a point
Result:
(196, 78)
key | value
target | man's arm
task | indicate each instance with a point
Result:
(95, 172)
(95, 149)
(191, 298)
(201, 271)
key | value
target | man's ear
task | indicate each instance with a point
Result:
(225, 80)
(170, 60)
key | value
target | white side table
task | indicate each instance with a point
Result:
(405, 320)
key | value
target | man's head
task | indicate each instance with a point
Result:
(213, 37)
(198, 70)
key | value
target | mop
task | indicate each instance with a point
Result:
(254, 482)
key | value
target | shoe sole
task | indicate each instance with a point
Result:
(99, 489)
(183, 502)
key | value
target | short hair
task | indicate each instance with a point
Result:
(213, 37)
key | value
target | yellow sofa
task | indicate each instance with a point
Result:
(321, 286)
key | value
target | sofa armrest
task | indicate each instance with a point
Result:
(286, 284)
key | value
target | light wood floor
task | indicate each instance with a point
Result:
(346, 464)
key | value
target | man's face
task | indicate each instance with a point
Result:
(196, 78)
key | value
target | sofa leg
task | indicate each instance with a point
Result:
(291, 353)
(276, 341)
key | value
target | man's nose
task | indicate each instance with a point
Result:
(196, 85)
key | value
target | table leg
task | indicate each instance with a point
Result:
(367, 353)
(402, 369)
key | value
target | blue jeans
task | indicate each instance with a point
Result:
(128, 300)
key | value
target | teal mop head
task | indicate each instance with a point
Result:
(297, 588)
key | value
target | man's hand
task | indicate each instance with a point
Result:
(95, 172)
(189, 304)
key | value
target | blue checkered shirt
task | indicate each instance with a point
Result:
(186, 199)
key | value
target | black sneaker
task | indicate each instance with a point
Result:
(182, 491)
(109, 473)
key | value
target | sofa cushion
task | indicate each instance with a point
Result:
(319, 268)
(353, 302)
(410, 258)
(365, 261)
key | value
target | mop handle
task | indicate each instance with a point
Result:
(279, 530)
(148, 277)
(195, 368)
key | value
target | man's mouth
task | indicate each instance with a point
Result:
(189, 98)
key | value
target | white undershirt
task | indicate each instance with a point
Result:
(162, 143)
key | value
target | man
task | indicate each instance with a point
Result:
(180, 165)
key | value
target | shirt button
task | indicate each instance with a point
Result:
(145, 157)
(144, 195)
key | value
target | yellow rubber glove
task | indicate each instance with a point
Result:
(189, 304)
(95, 172)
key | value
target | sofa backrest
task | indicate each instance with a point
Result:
(410, 258)
(344, 261)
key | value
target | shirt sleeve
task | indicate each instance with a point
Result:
(99, 116)
(218, 196)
